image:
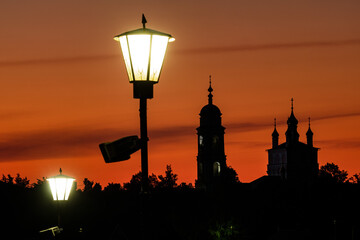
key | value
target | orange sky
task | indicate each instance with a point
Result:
(64, 88)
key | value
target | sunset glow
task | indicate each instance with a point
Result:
(62, 96)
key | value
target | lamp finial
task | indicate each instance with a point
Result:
(292, 104)
(143, 20)
(60, 171)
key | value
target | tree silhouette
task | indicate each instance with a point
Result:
(169, 180)
(22, 182)
(331, 172)
(88, 185)
(9, 179)
(97, 187)
(185, 186)
(153, 181)
(134, 184)
(18, 181)
(113, 187)
(39, 183)
(230, 176)
(355, 178)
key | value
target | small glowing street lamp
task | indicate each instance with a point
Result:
(60, 186)
(144, 51)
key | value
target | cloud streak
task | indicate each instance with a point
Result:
(272, 46)
(207, 50)
(340, 144)
(84, 141)
(55, 143)
(55, 60)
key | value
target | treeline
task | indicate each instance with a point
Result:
(329, 172)
(325, 210)
(156, 182)
(167, 181)
(332, 173)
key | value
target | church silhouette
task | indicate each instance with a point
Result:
(211, 158)
(291, 161)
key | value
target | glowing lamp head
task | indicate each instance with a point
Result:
(144, 51)
(60, 186)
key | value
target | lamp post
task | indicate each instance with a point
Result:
(60, 186)
(143, 50)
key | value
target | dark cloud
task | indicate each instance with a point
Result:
(55, 143)
(173, 133)
(339, 143)
(248, 126)
(81, 141)
(12, 114)
(339, 115)
(262, 124)
(207, 50)
(249, 144)
(56, 60)
(258, 47)
(73, 142)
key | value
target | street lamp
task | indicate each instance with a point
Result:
(144, 51)
(60, 186)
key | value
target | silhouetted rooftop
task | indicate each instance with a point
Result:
(210, 110)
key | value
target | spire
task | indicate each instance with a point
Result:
(275, 136)
(210, 90)
(292, 135)
(275, 133)
(309, 136)
(292, 119)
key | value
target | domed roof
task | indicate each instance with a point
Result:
(309, 132)
(275, 132)
(210, 110)
(292, 119)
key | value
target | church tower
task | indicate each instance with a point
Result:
(292, 136)
(275, 136)
(211, 159)
(309, 136)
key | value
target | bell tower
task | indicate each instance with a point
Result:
(211, 159)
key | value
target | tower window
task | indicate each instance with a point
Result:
(215, 140)
(201, 140)
(216, 168)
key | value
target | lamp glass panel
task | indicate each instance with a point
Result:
(53, 187)
(69, 183)
(139, 48)
(125, 51)
(158, 49)
(60, 187)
